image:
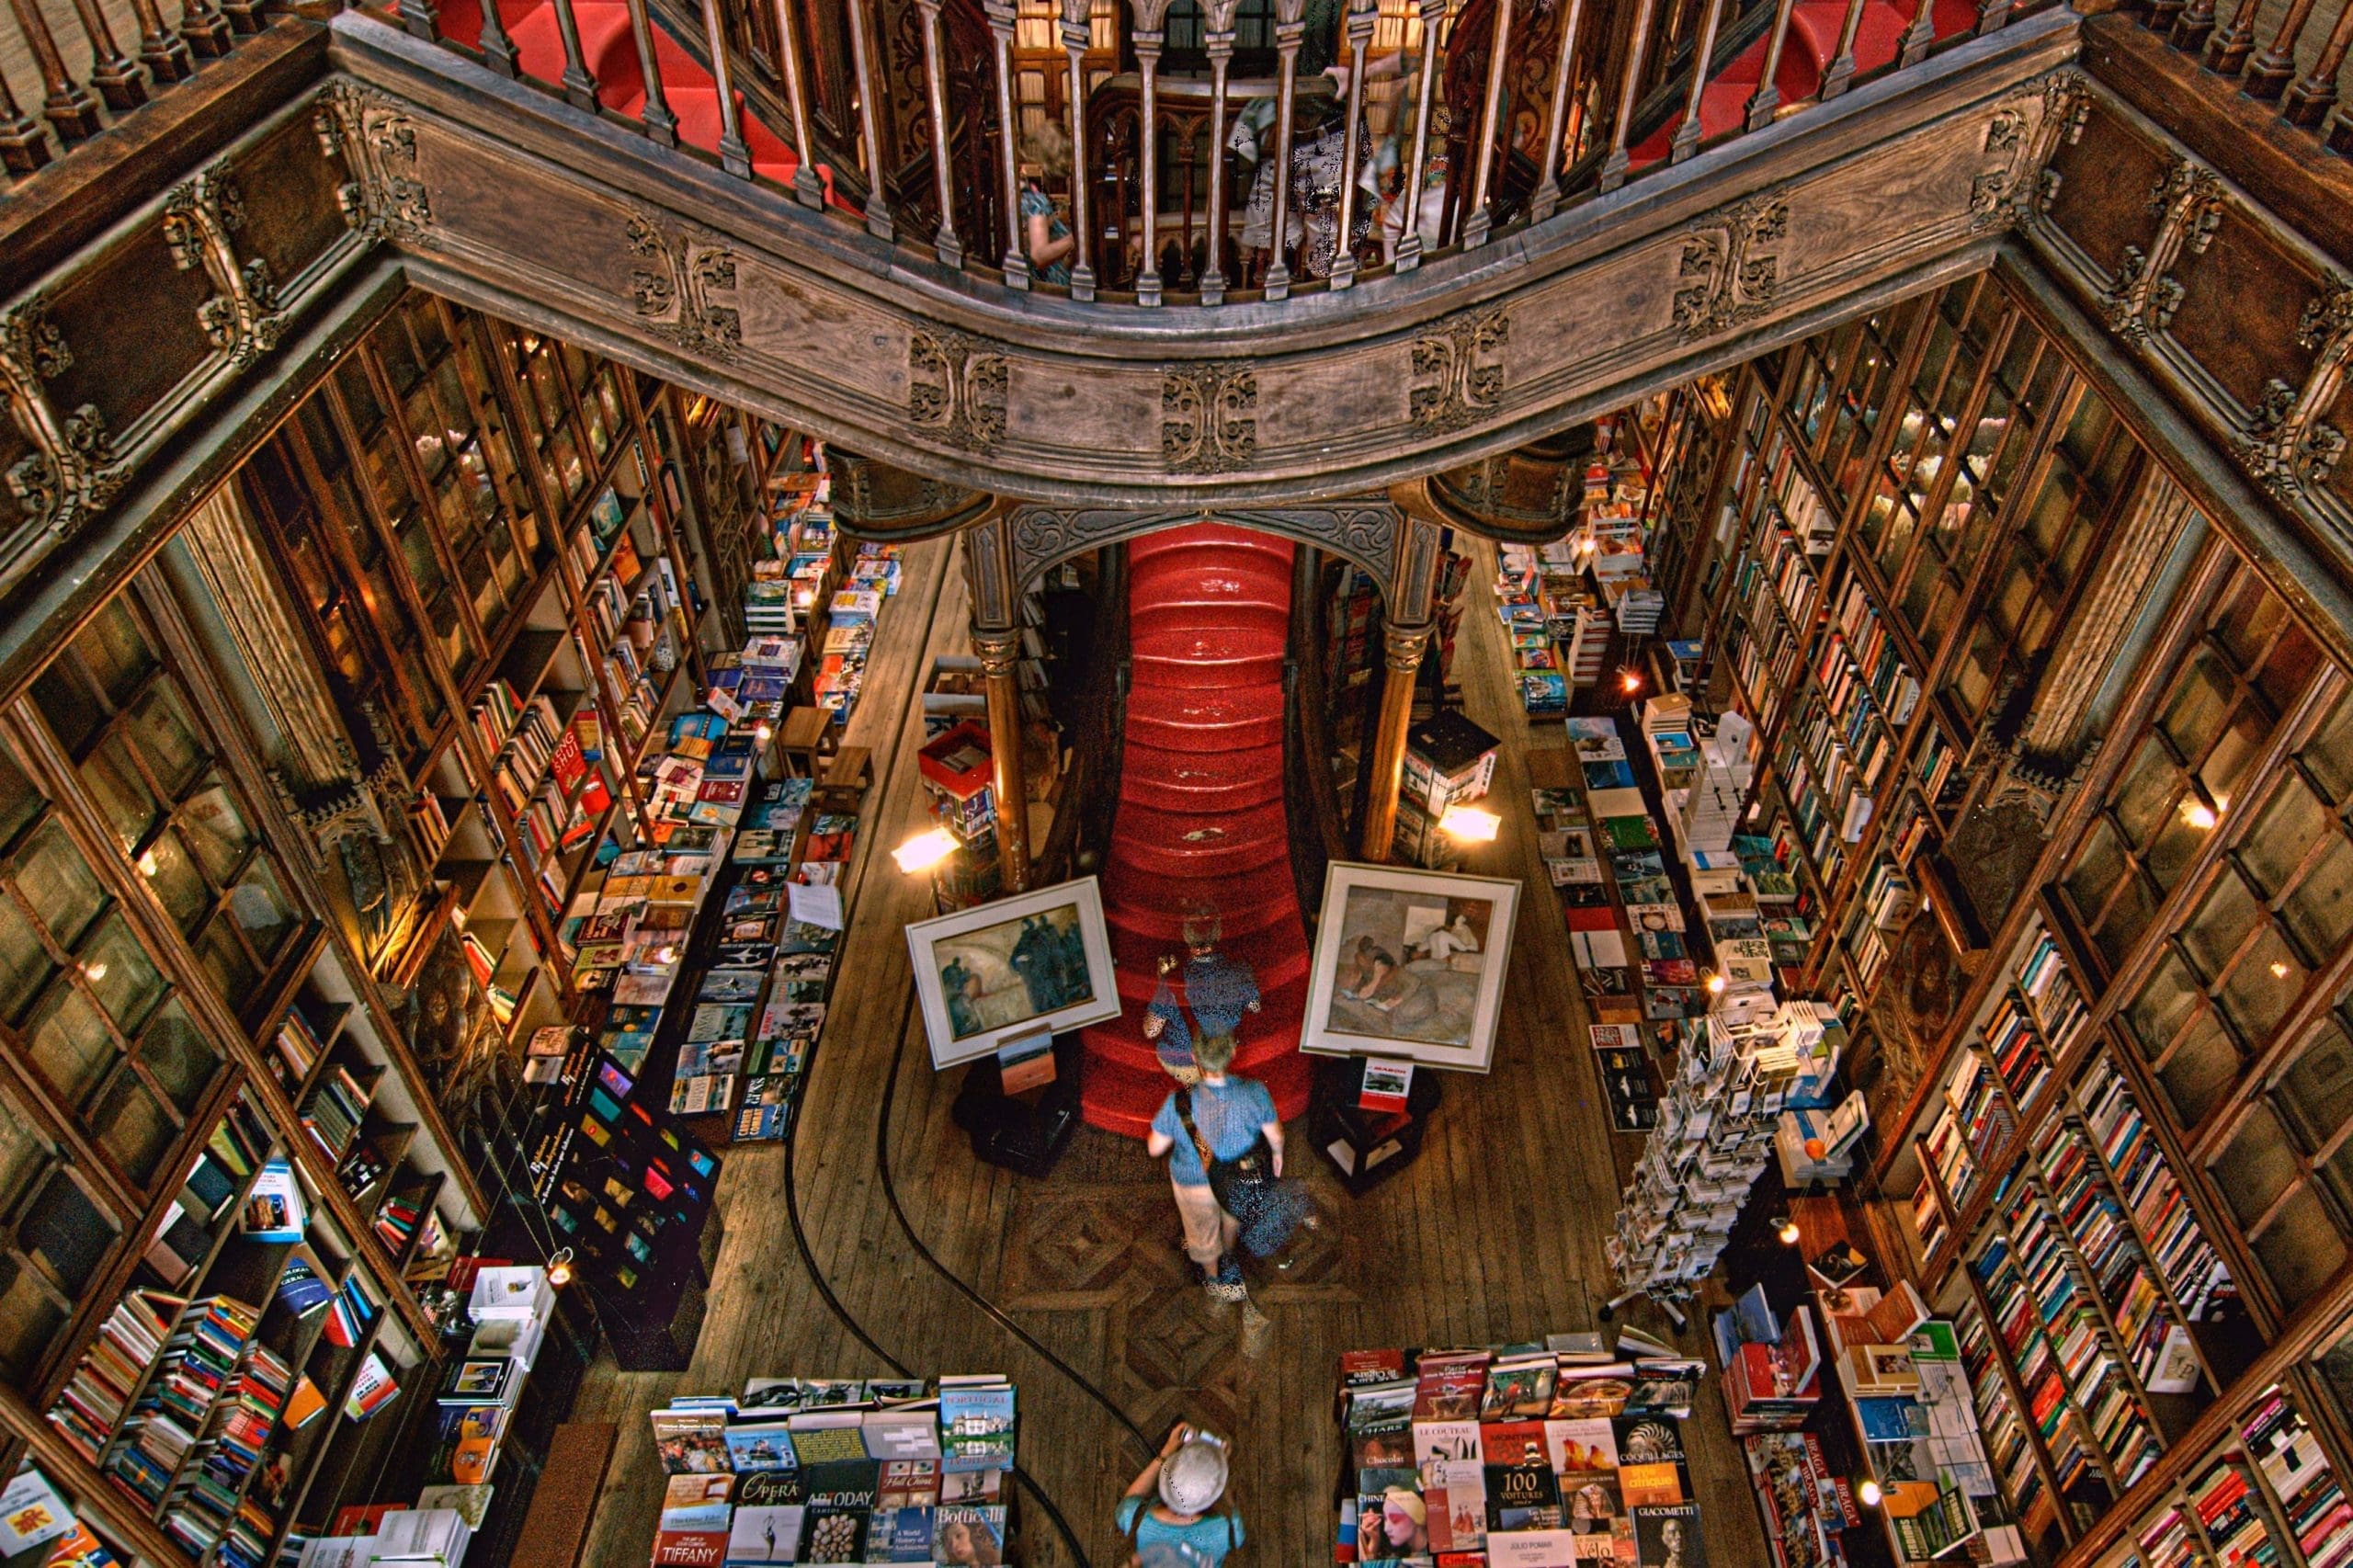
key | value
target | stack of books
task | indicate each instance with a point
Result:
(199, 1361)
(820, 1470)
(99, 1394)
(334, 1110)
(1550, 1454)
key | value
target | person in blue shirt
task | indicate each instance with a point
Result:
(1166, 1511)
(1231, 1115)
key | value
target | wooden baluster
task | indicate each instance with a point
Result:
(1077, 32)
(1547, 200)
(878, 221)
(1218, 37)
(944, 242)
(498, 50)
(1768, 95)
(1614, 167)
(1918, 36)
(2228, 50)
(579, 88)
(1841, 74)
(2309, 97)
(1003, 14)
(204, 28)
(1363, 16)
(162, 50)
(1409, 240)
(2269, 75)
(1685, 141)
(2193, 27)
(1993, 15)
(1491, 107)
(1290, 25)
(69, 107)
(24, 147)
(111, 72)
(1149, 33)
(734, 155)
(1190, 274)
(660, 122)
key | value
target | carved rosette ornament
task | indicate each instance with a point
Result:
(1729, 273)
(956, 390)
(2287, 445)
(1458, 372)
(377, 142)
(2143, 296)
(673, 293)
(1209, 417)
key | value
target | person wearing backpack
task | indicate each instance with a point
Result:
(1221, 1131)
(1173, 1503)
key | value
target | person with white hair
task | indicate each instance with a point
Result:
(1172, 1512)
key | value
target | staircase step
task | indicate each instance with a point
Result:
(1229, 542)
(1199, 781)
(1267, 1035)
(1277, 955)
(1194, 719)
(1174, 579)
(1156, 904)
(1164, 661)
(1124, 1099)
(1185, 844)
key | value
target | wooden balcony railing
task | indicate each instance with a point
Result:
(1508, 111)
(69, 68)
(2293, 57)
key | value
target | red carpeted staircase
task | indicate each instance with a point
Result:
(610, 53)
(1813, 44)
(1200, 816)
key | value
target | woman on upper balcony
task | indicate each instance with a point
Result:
(1319, 152)
(1045, 154)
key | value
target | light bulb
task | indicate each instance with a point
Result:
(147, 862)
(560, 1268)
(2278, 969)
(1715, 985)
(1787, 1229)
(94, 973)
(925, 850)
(1869, 1494)
(1629, 682)
(2199, 814)
(1471, 824)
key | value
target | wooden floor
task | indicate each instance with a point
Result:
(1495, 1234)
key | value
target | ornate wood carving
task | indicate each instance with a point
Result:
(2024, 132)
(2142, 298)
(1209, 417)
(73, 469)
(1729, 272)
(673, 292)
(1458, 372)
(375, 140)
(200, 217)
(1364, 530)
(2290, 450)
(956, 388)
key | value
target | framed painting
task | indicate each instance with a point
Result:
(1038, 962)
(1409, 963)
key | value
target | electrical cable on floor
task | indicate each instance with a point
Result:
(890, 1191)
(834, 1303)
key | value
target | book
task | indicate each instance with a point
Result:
(690, 1440)
(1668, 1536)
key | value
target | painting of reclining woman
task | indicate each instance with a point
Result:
(1410, 963)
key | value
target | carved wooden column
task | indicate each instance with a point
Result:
(1003, 14)
(661, 124)
(1685, 141)
(1402, 648)
(1615, 166)
(579, 88)
(999, 650)
(869, 123)
(1767, 96)
(1219, 39)
(1149, 35)
(735, 153)
(1405, 633)
(995, 606)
